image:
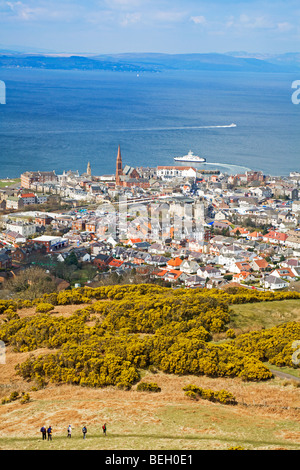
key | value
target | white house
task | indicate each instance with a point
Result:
(220, 215)
(23, 228)
(262, 192)
(169, 172)
(209, 272)
(283, 273)
(189, 266)
(194, 282)
(274, 283)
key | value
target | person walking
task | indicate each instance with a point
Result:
(104, 429)
(84, 431)
(44, 432)
(49, 432)
(69, 431)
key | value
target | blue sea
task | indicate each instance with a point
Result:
(60, 120)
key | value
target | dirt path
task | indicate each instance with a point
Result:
(284, 375)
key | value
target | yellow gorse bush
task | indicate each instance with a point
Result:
(220, 396)
(142, 327)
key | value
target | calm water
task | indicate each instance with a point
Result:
(61, 120)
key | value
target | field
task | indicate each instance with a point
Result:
(9, 182)
(248, 317)
(266, 416)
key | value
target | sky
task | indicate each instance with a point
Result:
(166, 26)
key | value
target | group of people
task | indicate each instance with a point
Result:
(48, 432)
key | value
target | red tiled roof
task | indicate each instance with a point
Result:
(277, 236)
(175, 262)
(115, 263)
(28, 195)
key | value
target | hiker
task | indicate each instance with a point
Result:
(44, 432)
(49, 432)
(104, 429)
(69, 431)
(84, 431)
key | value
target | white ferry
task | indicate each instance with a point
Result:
(190, 158)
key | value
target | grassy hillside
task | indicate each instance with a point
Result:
(168, 420)
(264, 314)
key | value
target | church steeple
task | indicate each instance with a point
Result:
(119, 167)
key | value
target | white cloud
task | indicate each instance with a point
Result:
(42, 12)
(284, 27)
(131, 18)
(169, 16)
(198, 19)
(244, 22)
(22, 11)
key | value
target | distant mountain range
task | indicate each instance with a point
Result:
(154, 62)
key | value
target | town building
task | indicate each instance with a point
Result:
(26, 229)
(128, 177)
(169, 172)
(51, 243)
(30, 177)
(28, 199)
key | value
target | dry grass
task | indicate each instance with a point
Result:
(59, 310)
(252, 316)
(139, 420)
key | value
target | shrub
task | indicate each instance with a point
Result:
(44, 307)
(10, 314)
(14, 396)
(144, 327)
(230, 334)
(273, 345)
(148, 387)
(25, 398)
(236, 448)
(192, 395)
(221, 396)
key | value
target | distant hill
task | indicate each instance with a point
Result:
(287, 60)
(154, 62)
(66, 63)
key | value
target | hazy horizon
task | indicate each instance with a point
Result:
(35, 50)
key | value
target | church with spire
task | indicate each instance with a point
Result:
(128, 177)
(119, 168)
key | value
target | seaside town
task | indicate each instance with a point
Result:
(69, 225)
